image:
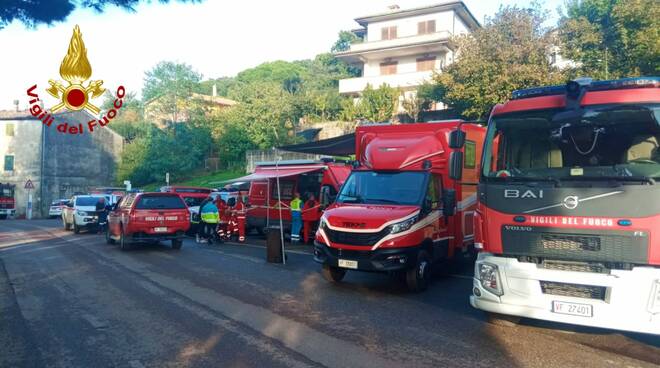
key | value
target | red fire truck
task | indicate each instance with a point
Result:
(265, 202)
(399, 211)
(568, 218)
(7, 204)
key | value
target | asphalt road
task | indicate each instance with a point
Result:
(73, 301)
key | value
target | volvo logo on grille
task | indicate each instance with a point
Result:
(571, 202)
(354, 225)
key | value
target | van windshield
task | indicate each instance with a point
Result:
(611, 143)
(373, 187)
(160, 203)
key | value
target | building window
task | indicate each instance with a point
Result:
(470, 155)
(388, 33)
(424, 64)
(388, 68)
(9, 163)
(426, 27)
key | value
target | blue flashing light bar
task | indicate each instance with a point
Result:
(638, 82)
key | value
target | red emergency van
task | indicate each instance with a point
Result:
(399, 211)
(265, 202)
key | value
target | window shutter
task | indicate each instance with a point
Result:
(421, 28)
(392, 32)
(430, 26)
(384, 34)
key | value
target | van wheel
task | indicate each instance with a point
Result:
(177, 243)
(503, 320)
(76, 228)
(417, 278)
(108, 239)
(333, 274)
(123, 244)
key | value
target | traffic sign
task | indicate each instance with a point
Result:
(29, 185)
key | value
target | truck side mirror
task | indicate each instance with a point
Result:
(448, 202)
(456, 139)
(456, 165)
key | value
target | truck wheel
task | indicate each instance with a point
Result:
(417, 278)
(503, 320)
(76, 228)
(177, 243)
(3, 217)
(108, 239)
(123, 244)
(333, 274)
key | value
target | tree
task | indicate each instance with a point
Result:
(345, 40)
(612, 38)
(33, 13)
(168, 87)
(131, 110)
(510, 52)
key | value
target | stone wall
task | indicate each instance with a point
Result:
(71, 163)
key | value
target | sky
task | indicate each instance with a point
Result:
(217, 37)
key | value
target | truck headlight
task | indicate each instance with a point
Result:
(81, 213)
(489, 276)
(403, 225)
(654, 304)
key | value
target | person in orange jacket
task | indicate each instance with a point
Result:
(223, 231)
(239, 223)
(310, 215)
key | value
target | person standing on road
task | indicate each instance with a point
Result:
(102, 215)
(310, 215)
(240, 213)
(224, 217)
(296, 217)
(209, 218)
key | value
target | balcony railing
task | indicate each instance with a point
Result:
(399, 42)
(403, 80)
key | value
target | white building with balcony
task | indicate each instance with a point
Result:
(403, 47)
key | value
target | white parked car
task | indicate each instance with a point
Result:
(55, 209)
(80, 213)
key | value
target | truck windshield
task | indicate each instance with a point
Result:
(160, 203)
(619, 142)
(372, 187)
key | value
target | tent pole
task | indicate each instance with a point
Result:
(279, 204)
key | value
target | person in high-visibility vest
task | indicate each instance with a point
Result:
(310, 215)
(240, 212)
(296, 217)
(209, 217)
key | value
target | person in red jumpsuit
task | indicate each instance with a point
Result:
(310, 215)
(223, 231)
(240, 212)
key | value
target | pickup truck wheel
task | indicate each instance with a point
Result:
(417, 278)
(177, 243)
(123, 244)
(333, 274)
(108, 239)
(76, 228)
(502, 319)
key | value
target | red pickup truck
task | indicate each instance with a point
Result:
(148, 217)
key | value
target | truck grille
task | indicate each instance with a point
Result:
(575, 245)
(573, 290)
(348, 238)
(575, 266)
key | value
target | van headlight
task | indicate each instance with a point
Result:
(81, 213)
(489, 276)
(403, 225)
